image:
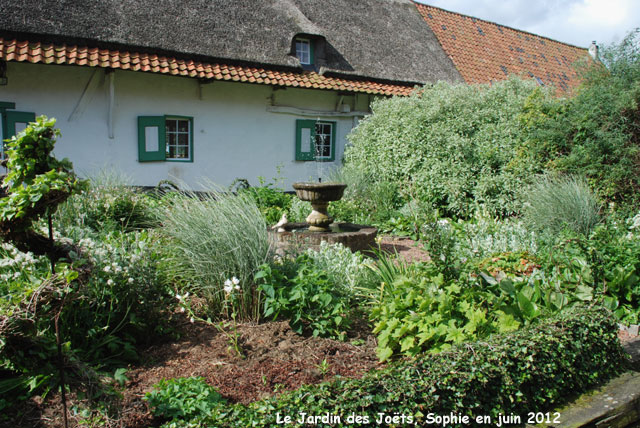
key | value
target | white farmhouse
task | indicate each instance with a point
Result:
(200, 89)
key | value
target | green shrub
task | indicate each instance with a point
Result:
(368, 199)
(298, 211)
(450, 146)
(272, 203)
(555, 204)
(211, 238)
(184, 398)
(484, 235)
(607, 264)
(109, 203)
(530, 370)
(427, 314)
(305, 294)
(348, 271)
(595, 133)
(20, 274)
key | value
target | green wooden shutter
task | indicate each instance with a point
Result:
(17, 121)
(151, 138)
(305, 140)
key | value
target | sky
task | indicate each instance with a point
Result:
(577, 22)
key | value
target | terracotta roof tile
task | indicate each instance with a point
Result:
(483, 51)
(36, 52)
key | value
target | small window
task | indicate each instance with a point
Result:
(304, 51)
(178, 138)
(315, 140)
(165, 138)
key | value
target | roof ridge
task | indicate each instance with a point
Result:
(498, 24)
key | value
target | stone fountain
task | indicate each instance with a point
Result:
(320, 226)
(319, 195)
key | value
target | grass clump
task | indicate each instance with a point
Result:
(556, 204)
(211, 237)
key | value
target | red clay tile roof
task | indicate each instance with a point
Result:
(36, 52)
(483, 51)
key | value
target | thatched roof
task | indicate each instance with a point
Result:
(380, 39)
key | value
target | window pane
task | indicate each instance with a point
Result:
(171, 125)
(182, 152)
(303, 51)
(183, 125)
(171, 139)
(183, 139)
(171, 152)
(326, 151)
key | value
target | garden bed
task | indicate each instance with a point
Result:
(276, 360)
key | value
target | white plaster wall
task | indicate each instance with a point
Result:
(234, 135)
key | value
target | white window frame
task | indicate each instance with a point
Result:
(323, 139)
(177, 133)
(303, 51)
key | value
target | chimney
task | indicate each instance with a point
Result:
(593, 51)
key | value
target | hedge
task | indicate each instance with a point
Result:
(526, 371)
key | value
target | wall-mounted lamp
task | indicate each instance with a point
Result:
(3, 73)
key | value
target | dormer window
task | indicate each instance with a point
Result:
(304, 51)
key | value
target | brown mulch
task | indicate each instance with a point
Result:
(406, 248)
(275, 359)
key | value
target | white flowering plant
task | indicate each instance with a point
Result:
(122, 295)
(231, 305)
(20, 273)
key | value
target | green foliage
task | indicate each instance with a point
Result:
(184, 398)
(298, 211)
(210, 238)
(20, 274)
(120, 302)
(427, 314)
(555, 204)
(449, 146)
(271, 202)
(108, 204)
(35, 184)
(484, 235)
(607, 264)
(430, 307)
(348, 271)
(306, 296)
(536, 368)
(440, 242)
(368, 199)
(595, 133)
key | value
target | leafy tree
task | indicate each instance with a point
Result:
(35, 185)
(596, 133)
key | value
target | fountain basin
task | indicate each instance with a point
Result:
(297, 237)
(325, 192)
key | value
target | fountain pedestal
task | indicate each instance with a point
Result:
(319, 219)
